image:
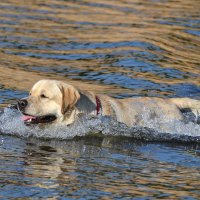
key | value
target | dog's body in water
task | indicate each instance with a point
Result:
(52, 101)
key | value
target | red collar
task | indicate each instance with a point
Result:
(98, 105)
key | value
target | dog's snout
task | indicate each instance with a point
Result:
(22, 103)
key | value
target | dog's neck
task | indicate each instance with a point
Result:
(85, 104)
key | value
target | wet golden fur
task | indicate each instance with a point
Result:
(66, 103)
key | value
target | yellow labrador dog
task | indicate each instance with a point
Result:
(59, 102)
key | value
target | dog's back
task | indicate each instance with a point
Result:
(131, 111)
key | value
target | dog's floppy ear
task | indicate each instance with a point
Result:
(70, 96)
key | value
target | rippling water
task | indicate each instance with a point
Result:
(123, 48)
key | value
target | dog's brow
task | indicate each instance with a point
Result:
(43, 92)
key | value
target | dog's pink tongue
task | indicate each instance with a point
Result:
(27, 117)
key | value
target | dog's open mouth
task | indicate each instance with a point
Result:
(28, 119)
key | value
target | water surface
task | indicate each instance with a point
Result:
(123, 48)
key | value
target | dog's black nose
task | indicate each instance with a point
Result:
(22, 103)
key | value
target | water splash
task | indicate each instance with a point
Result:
(11, 123)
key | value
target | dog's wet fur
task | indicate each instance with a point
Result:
(65, 102)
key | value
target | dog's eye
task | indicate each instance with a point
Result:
(43, 96)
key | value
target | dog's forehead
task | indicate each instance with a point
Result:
(49, 86)
(45, 85)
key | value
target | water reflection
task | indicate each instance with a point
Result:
(140, 45)
(98, 167)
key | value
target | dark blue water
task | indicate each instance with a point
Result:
(93, 168)
(120, 48)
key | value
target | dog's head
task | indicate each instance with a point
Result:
(49, 101)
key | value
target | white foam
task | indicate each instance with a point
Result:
(164, 124)
(11, 123)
